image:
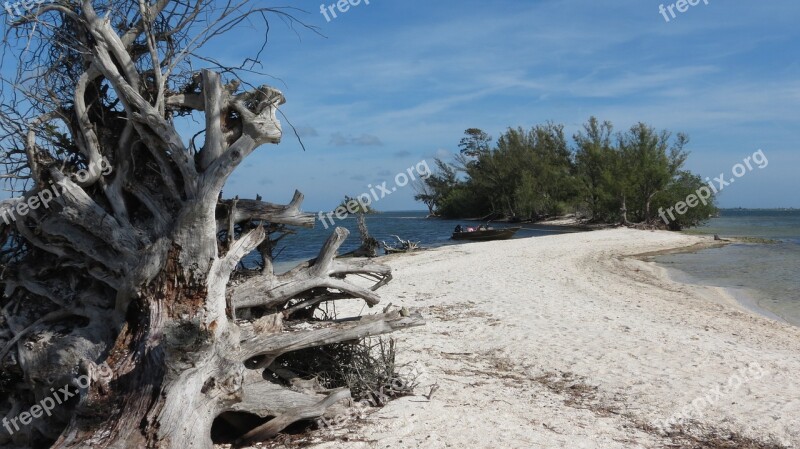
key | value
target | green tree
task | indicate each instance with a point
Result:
(530, 173)
(425, 194)
(434, 189)
(554, 168)
(594, 159)
(648, 162)
(475, 143)
(461, 202)
(535, 173)
(494, 174)
(349, 203)
(683, 187)
(527, 196)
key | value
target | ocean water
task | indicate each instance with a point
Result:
(765, 276)
(412, 225)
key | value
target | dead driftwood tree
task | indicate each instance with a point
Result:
(121, 270)
(369, 245)
(403, 246)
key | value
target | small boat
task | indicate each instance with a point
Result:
(486, 234)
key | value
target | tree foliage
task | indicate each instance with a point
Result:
(612, 177)
(682, 187)
(354, 205)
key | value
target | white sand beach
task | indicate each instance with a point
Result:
(565, 342)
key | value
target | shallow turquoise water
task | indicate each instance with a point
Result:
(768, 274)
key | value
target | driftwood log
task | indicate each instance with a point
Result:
(403, 246)
(130, 279)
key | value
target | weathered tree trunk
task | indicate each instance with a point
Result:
(648, 218)
(130, 278)
(623, 212)
(369, 245)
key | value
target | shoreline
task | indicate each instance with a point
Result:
(743, 298)
(564, 221)
(571, 341)
(746, 298)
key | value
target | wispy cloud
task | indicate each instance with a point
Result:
(364, 140)
(306, 131)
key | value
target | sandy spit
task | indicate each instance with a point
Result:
(567, 342)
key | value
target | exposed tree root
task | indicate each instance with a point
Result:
(128, 285)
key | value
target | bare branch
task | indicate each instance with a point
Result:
(273, 291)
(271, 346)
(253, 210)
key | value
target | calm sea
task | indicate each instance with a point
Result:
(411, 225)
(766, 276)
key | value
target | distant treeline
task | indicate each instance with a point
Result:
(607, 177)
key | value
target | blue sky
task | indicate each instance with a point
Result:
(398, 81)
(394, 82)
